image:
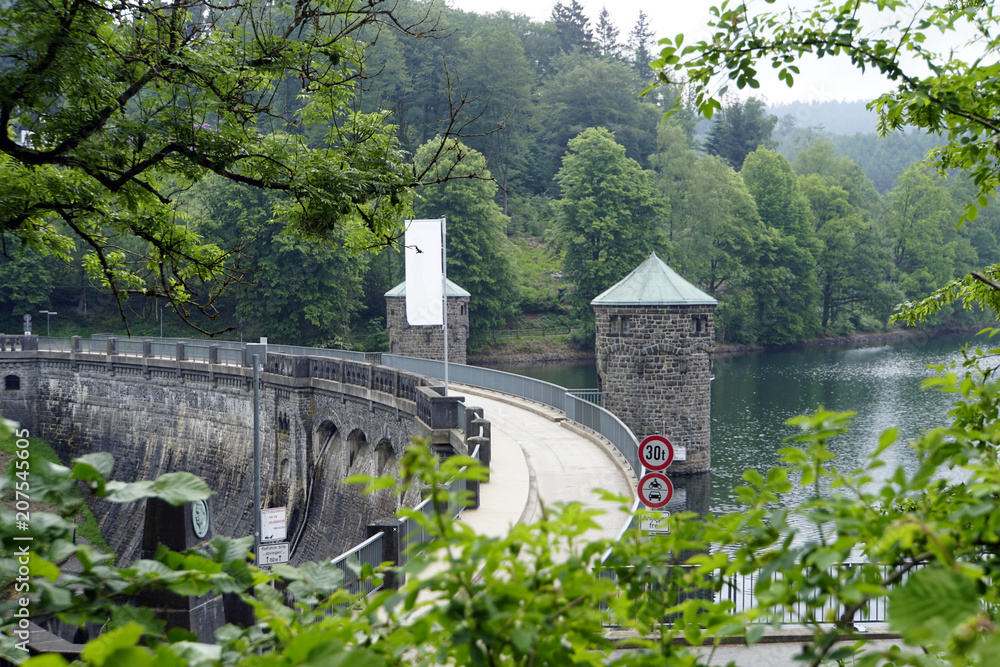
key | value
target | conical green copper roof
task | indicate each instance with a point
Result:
(453, 289)
(653, 283)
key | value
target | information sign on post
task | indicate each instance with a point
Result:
(655, 490)
(273, 553)
(656, 452)
(655, 523)
(273, 524)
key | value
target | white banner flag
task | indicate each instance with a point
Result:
(423, 273)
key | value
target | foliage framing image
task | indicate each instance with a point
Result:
(112, 110)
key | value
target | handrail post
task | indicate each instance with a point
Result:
(391, 578)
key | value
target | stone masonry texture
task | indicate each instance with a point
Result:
(427, 342)
(654, 364)
(159, 416)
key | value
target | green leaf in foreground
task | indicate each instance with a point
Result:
(175, 488)
(932, 604)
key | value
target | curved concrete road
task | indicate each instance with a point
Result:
(537, 459)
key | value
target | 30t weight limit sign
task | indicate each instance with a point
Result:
(656, 452)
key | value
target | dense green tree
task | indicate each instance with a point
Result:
(541, 47)
(573, 31)
(738, 129)
(110, 111)
(609, 214)
(498, 74)
(304, 292)
(779, 199)
(785, 271)
(28, 280)
(673, 165)
(640, 38)
(853, 262)
(819, 158)
(927, 251)
(478, 252)
(712, 229)
(713, 218)
(786, 294)
(590, 92)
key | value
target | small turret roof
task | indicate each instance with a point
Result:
(653, 283)
(453, 289)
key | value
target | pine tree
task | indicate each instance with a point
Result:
(738, 129)
(639, 40)
(572, 27)
(607, 35)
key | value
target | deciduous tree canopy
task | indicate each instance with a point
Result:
(478, 251)
(954, 93)
(110, 111)
(609, 214)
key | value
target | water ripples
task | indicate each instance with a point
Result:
(754, 396)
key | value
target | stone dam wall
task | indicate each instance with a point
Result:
(322, 419)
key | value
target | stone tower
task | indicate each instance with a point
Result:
(655, 339)
(427, 342)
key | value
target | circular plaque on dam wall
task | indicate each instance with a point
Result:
(199, 518)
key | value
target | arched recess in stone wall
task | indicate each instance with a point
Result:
(385, 458)
(387, 464)
(12, 383)
(326, 432)
(324, 465)
(357, 447)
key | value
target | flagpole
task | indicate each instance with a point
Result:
(444, 296)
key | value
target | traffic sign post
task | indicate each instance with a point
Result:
(656, 452)
(655, 490)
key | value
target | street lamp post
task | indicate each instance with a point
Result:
(258, 354)
(47, 314)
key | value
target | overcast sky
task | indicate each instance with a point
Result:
(820, 80)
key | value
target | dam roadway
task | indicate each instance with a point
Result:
(540, 458)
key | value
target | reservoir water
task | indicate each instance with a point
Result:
(754, 395)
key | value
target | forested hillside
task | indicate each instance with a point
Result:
(558, 178)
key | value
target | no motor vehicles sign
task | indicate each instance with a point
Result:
(655, 490)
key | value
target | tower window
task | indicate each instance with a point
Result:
(12, 383)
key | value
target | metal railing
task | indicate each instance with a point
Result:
(413, 531)
(595, 396)
(352, 561)
(739, 589)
